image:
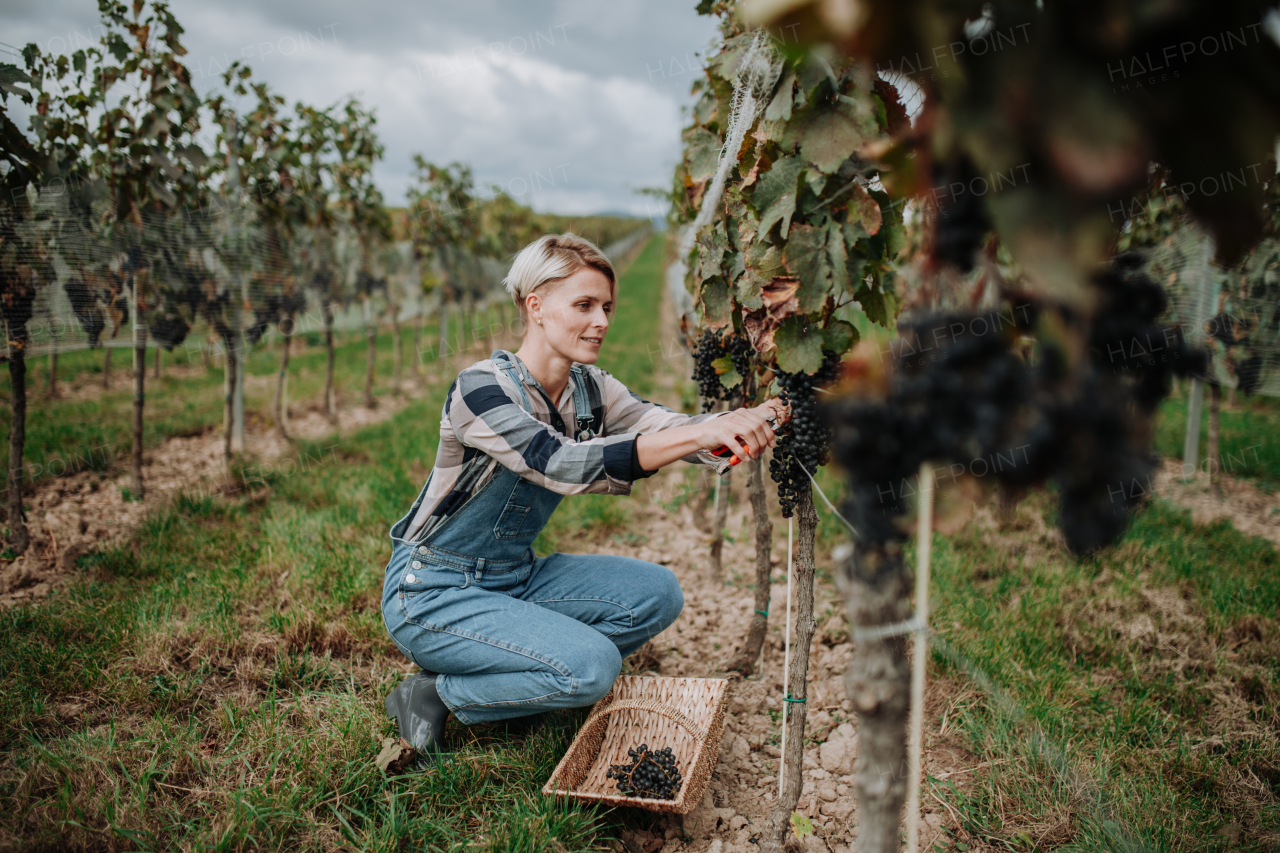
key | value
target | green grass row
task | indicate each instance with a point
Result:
(76, 432)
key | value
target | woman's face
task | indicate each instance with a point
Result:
(575, 314)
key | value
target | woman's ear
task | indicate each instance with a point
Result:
(533, 309)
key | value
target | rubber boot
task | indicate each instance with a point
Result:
(420, 712)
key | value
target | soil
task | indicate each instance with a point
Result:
(87, 510)
(711, 630)
(1249, 509)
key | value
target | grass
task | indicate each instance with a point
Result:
(1144, 694)
(1248, 445)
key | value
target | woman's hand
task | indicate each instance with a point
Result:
(774, 408)
(744, 431)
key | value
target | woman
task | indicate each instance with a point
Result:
(500, 633)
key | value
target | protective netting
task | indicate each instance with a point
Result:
(1234, 312)
(754, 78)
(196, 278)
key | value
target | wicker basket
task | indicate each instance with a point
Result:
(686, 714)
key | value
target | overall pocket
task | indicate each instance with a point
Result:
(526, 511)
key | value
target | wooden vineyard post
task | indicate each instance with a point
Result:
(52, 389)
(1212, 462)
(330, 396)
(924, 542)
(418, 322)
(139, 382)
(796, 685)
(282, 380)
(371, 335)
(398, 338)
(16, 343)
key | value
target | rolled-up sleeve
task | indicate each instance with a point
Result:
(485, 413)
(627, 412)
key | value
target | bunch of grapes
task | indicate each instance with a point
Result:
(711, 347)
(967, 395)
(805, 442)
(653, 775)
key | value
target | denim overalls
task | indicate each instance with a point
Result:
(509, 632)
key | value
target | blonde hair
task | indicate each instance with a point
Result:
(550, 259)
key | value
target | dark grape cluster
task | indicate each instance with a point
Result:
(712, 346)
(805, 440)
(964, 392)
(651, 774)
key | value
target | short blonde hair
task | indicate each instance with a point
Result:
(552, 258)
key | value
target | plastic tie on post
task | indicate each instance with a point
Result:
(788, 698)
(763, 612)
(896, 629)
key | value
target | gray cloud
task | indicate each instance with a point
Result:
(569, 105)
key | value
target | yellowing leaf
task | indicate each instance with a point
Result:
(801, 826)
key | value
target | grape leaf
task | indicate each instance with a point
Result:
(779, 108)
(729, 376)
(878, 306)
(865, 209)
(775, 195)
(801, 826)
(716, 307)
(806, 257)
(704, 153)
(799, 344)
(712, 246)
(816, 255)
(839, 336)
(829, 137)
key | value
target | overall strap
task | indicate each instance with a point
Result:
(582, 408)
(513, 373)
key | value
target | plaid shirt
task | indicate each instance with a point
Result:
(485, 424)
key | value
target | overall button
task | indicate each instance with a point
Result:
(423, 550)
(410, 579)
(417, 564)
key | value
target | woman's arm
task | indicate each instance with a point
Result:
(485, 414)
(669, 432)
(744, 431)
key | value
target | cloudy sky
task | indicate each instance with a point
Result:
(570, 105)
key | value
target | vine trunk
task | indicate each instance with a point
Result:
(876, 587)
(745, 662)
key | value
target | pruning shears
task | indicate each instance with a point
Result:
(724, 451)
